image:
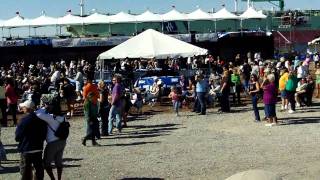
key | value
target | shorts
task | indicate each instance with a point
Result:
(54, 153)
(270, 110)
(283, 94)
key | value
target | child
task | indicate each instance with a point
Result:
(175, 95)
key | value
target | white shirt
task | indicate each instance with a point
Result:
(52, 123)
(301, 72)
(55, 76)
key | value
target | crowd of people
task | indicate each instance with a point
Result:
(46, 96)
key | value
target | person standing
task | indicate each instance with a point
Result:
(317, 73)
(225, 92)
(291, 87)
(12, 99)
(79, 82)
(116, 104)
(270, 99)
(254, 89)
(30, 133)
(235, 79)
(201, 90)
(104, 107)
(69, 94)
(282, 87)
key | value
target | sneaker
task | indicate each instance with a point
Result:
(78, 99)
(291, 111)
(298, 105)
(285, 107)
(282, 108)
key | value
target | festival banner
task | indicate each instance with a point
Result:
(12, 43)
(88, 42)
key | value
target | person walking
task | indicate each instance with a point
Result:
(12, 99)
(31, 133)
(3, 104)
(91, 120)
(116, 104)
(254, 89)
(175, 96)
(51, 114)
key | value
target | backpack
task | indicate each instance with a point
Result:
(62, 131)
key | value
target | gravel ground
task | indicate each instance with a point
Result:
(215, 146)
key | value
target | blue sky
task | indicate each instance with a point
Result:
(33, 8)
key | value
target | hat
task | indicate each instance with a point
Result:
(27, 104)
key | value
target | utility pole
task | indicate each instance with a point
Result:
(236, 6)
(81, 8)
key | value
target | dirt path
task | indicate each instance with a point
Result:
(213, 147)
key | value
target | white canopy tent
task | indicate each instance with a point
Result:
(224, 14)
(148, 16)
(199, 14)
(122, 17)
(152, 44)
(251, 13)
(17, 21)
(70, 19)
(96, 18)
(174, 15)
(43, 20)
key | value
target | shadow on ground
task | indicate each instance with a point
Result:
(143, 131)
(299, 120)
(133, 143)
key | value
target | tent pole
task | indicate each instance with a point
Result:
(35, 31)
(110, 29)
(29, 31)
(215, 26)
(162, 28)
(189, 27)
(136, 28)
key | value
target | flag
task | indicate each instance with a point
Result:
(69, 11)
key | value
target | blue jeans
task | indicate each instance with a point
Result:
(114, 114)
(176, 106)
(255, 107)
(202, 101)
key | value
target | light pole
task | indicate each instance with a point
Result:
(81, 8)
